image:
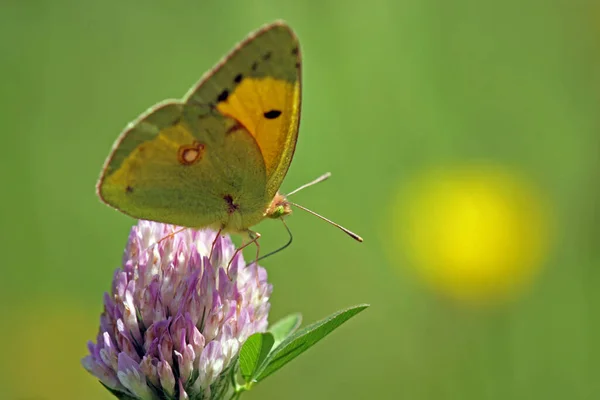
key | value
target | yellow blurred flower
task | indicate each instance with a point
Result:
(476, 233)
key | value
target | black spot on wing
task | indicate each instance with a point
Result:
(272, 114)
(231, 206)
(223, 96)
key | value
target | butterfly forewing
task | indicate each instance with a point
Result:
(258, 85)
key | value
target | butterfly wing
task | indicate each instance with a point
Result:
(258, 85)
(184, 165)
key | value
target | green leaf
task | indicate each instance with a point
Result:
(302, 340)
(254, 351)
(285, 327)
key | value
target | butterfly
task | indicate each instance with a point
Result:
(216, 159)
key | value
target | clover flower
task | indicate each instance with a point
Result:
(175, 319)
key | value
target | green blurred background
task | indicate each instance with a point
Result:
(392, 91)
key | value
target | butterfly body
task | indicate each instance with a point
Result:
(218, 157)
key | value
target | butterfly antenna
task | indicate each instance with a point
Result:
(319, 179)
(282, 247)
(347, 231)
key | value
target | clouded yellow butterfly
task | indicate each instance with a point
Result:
(218, 157)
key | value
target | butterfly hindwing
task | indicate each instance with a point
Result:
(184, 165)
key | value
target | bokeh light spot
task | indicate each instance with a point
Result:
(476, 233)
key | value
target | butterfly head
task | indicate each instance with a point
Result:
(279, 207)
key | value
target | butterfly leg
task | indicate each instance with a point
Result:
(254, 236)
(169, 236)
(212, 247)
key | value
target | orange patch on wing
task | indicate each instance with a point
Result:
(266, 108)
(190, 153)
